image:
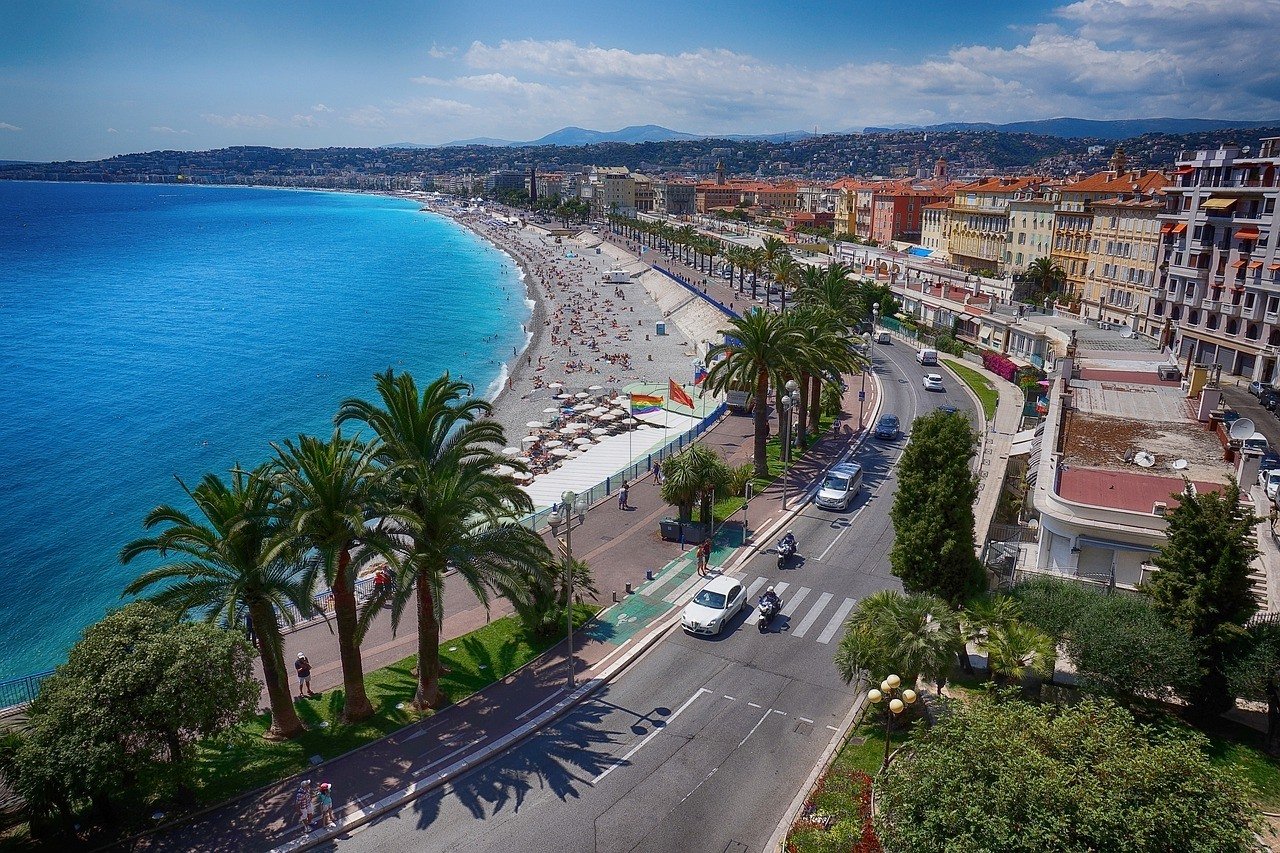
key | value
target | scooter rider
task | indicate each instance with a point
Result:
(788, 542)
(770, 600)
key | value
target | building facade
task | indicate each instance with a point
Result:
(1030, 231)
(675, 197)
(1217, 293)
(935, 229)
(1123, 246)
(979, 215)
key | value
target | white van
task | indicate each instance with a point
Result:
(927, 356)
(840, 486)
(1257, 442)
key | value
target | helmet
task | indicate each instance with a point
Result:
(301, 655)
(770, 589)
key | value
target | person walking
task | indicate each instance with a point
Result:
(324, 805)
(303, 667)
(303, 806)
(704, 556)
(622, 496)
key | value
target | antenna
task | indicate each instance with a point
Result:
(1241, 429)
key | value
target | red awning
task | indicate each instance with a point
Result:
(1179, 228)
(1185, 170)
(1237, 288)
(1248, 232)
(1274, 267)
(1235, 265)
(1166, 228)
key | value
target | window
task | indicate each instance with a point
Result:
(1272, 304)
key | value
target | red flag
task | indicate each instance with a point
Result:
(677, 394)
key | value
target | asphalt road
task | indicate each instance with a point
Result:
(702, 743)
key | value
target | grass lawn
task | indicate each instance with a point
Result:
(245, 761)
(987, 394)
(1241, 748)
(773, 453)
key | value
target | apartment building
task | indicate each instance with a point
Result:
(1030, 230)
(897, 212)
(979, 219)
(935, 230)
(643, 193)
(613, 191)
(675, 197)
(843, 192)
(1123, 246)
(1217, 293)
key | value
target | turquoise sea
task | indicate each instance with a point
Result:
(148, 332)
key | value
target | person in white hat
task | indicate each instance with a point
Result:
(303, 667)
(302, 805)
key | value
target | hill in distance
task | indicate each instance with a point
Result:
(1074, 128)
(570, 137)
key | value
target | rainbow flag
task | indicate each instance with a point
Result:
(642, 404)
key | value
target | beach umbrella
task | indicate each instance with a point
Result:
(630, 421)
(535, 425)
(529, 439)
(578, 426)
(556, 385)
(522, 476)
(609, 417)
(511, 451)
(555, 442)
(551, 410)
(582, 395)
(583, 407)
(595, 387)
(599, 431)
(563, 396)
(504, 470)
(561, 452)
(598, 411)
(567, 430)
(581, 442)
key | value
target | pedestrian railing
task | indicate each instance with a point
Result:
(20, 691)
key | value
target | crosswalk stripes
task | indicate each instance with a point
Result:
(663, 579)
(675, 594)
(780, 587)
(807, 623)
(837, 620)
(794, 603)
(752, 589)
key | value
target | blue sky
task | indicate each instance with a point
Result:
(83, 80)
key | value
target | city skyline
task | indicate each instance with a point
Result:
(91, 80)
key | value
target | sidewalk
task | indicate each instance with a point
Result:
(620, 546)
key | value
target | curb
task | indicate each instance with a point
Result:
(779, 837)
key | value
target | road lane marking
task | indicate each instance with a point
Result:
(731, 698)
(804, 719)
(780, 587)
(807, 623)
(755, 585)
(794, 603)
(656, 730)
(606, 658)
(843, 531)
(446, 757)
(767, 715)
(526, 712)
(837, 621)
(678, 593)
(754, 705)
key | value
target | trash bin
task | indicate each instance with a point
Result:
(670, 529)
(661, 328)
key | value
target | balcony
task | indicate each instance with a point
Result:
(1230, 309)
(1253, 313)
(1210, 304)
(1189, 298)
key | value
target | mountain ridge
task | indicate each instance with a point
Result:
(1067, 127)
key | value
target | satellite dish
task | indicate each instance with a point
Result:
(1143, 459)
(1179, 464)
(1242, 429)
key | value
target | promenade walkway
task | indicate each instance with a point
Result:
(620, 546)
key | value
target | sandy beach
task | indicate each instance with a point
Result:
(585, 332)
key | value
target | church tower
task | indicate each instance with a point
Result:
(1118, 161)
(720, 172)
(940, 169)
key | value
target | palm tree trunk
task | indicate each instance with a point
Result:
(802, 419)
(356, 705)
(428, 695)
(815, 406)
(284, 717)
(762, 425)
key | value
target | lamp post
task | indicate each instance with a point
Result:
(790, 402)
(571, 506)
(871, 340)
(899, 698)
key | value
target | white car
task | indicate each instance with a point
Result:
(713, 606)
(1272, 483)
(933, 382)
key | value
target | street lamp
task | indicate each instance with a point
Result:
(790, 403)
(871, 340)
(899, 699)
(571, 506)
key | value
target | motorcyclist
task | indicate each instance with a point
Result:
(770, 600)
(788, 542)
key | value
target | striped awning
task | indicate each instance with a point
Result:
(1218, 203)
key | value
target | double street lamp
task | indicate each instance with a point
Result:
(899, 698)
(790, 403)
(571, 508)
(871, 340)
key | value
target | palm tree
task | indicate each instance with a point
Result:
(1015, 651)
(233, 562)
(824, 350)
(328, 490)
(459, 511)
(757, 345)
(911, 635)
(756, 263)
(981, 616)
(694, 477)
(771, 250)
(785, 270)
(1046, 273)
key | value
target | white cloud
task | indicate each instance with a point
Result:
(303, 121)
(160, 128)
(368, 117)
(437, 52)
(321, 108)
(4, 125)
(241, 120)
(112, 130)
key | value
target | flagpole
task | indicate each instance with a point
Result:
(631, 409)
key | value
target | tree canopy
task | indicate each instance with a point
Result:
(1013, 776)
(933, 547)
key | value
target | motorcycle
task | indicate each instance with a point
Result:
(767, 608)
(786, 549)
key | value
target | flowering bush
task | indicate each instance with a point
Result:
(836, 815)
(999, 365)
